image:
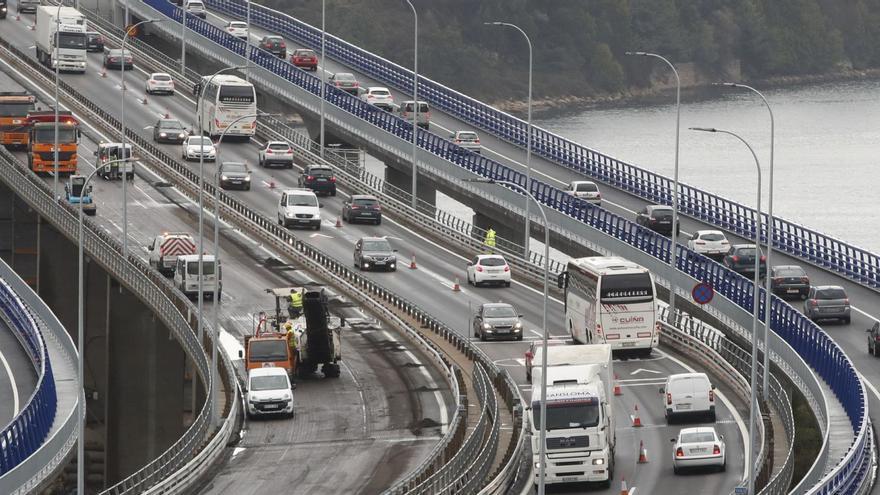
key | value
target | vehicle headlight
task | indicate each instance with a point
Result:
(248, 178)
(289, 214)
(162, 134)
(181, 135)
(518, 325)
(224, 178)
(286, 396)
(486, 326)
(598, 462)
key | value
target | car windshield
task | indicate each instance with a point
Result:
(170, 124)
(499, 312)
(305, 53)
(586, 187)
(380, 92)
(198, 141)
(161, 77)
(746, 251)
(302, 200)
(238, 25)
(344, 76)
(712, 236)
(495, 261)
(789, 271)
(379, 245)
(467, 136)
(279, 147)
(267, 350)
(831, 293)
(661, 212)
(192, 268)
(697, 437)
(365, 202)
(568, 414)
(234, 167)
(408, 107)
(276, 382)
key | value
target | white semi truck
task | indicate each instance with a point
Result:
(580, 436)
(68, 48)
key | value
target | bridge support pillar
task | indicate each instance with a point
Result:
(426, 191)
(20, 237)
(313, 126)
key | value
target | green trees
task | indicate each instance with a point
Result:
(579, 45)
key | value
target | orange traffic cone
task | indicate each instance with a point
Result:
(643, 453)
(412, 264)
(32, 27)
(617, 390)
(144, 101)
(455, 286)
(338, 223)
(103, 72)
(167, 115)
(623, 489)
(271, 183)
(637, 421)
(17, 17)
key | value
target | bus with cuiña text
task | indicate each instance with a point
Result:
(229, 103)
(610, 300)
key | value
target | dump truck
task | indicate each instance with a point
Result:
(14, 109)
(165, 249)
(60, 38)
(41, 142)
(78, 193)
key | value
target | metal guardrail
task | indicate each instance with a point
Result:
(27, 431)
(856, 264)
(52, 452)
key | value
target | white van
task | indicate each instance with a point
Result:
(186, 275)
(688, 394)
(299, 207)
(407, 111)
(196, 8)
(269, 392)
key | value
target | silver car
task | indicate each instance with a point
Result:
(827, 301)
(499, 321)
(468, 140)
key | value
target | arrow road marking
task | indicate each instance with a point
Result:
(636, 372)
(321, 235)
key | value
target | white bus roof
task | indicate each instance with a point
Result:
(226, 79)
(605, 265)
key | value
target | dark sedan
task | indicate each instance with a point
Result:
(374, 253)
(274, 45)
(741, 259)
(789, 280)
(94, 42)
(362, 207)
(497, 321)
(169, 131)
(657, 218)
(234, 174)
(319, 179)
(113, 59)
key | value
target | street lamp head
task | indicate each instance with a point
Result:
(703, 129)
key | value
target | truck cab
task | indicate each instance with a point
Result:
(167, 247)
(186, 275)
(110, 152)
(77, 193)
(41, 142)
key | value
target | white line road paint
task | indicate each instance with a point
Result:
(640, 370)
(444, 415)
(361, 392)
(12, 384)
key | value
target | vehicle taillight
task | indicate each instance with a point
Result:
(805, 280)
(479, 268)
(668, 399)
(477, 141)
(716, 450)
(711, 395)
(846, 301)
(814, 303)
(310, 177)
(506, 268)
(355, 207)
(599, 329)
(282, 45)
(269, 151)
(735, 259)
(598, 195)
(679, 452)
(529, 355)
(332, 179)
(378, 208)
(763, 258)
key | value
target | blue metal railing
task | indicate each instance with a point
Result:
(27, 431)
(856, 264)
(817, 348)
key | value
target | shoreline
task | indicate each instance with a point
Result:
(657, 94)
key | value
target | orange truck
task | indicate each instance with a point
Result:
(268, 347)
(41, 142)
(14, 109)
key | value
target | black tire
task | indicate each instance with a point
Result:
(723, 467)
(712, 417)
(675, 470)
(482, 336)
(247, 187)
(847, 320)
(519, 337)
(507, 284)
(318, 227)
(379, 221)
(528, 376)
(333, 192)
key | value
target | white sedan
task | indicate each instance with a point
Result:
(698, 447)
(709, 243)
(237, 29)
(159, 82)
(585, 190)
(197, 146)
(488, 268)
(378, 96)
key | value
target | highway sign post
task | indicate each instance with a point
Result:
(703, 293)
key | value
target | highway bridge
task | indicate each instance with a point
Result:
(396, 401)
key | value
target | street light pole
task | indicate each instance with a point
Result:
(770, 233)
(247, 47)
(80, 447)
(56, 56)
(323, 75)
(415, 122)
(528, 137)
(182, 42)
(674, 233)
(753, 404)
(543, 423)
(128, 32)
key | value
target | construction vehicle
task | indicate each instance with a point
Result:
(315, 344)
(580, 436)
(78, 193)
(41, 141)
(14, 108)
(112, 153)
(60, 38)
(165, 249)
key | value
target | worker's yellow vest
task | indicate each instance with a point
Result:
(296, 300)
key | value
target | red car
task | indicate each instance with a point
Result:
(305, 59)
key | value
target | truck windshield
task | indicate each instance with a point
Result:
(75, 41)
(192, 268)
(47, 135)
(568, 414)
(15, 109)
(263, 351)
(277, 382)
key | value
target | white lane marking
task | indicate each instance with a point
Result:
(864, 313)
(361, 392)
(743, 431)
(444, 415)
(11, 383)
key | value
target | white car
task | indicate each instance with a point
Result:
(488, 268)
(585, 190)
(709, 243)
(276, 153)
(237, 29)
(688, 394)
(698, 447)
(378, 96)
(159, 82)
(468, 140)
(194, 147)
(269, 392)
(299, 207)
